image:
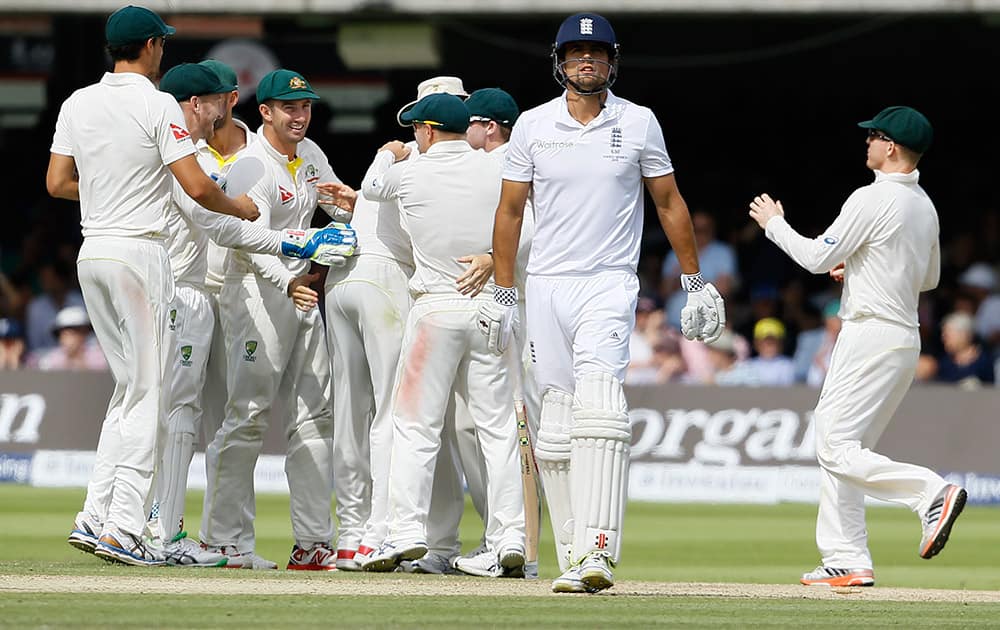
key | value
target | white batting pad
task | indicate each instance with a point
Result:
(552, 452)
(242, 176)
(600, 443)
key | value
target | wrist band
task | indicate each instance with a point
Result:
(505, 296)
(692, 282)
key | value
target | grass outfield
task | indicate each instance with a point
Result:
(663, 543)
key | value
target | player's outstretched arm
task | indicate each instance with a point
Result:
(498, 320)
(207, 193)
(61, 180)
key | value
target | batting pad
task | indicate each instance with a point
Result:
(600, 443)
(552, 452)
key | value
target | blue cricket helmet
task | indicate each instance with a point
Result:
(585, 27)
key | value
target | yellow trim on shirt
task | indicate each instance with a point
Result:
(293, 167)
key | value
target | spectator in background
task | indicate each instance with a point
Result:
(716, 259)
(58, 292)
(963, 361)
(979, 284)
(645, 335)
(817, 359)
(773, 368)
(11, 344)
(730, 369)
(76, 348)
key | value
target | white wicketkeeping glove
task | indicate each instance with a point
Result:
(499, 320)
(704, 316)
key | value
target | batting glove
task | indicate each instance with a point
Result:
(704, 316)
(330, 246)
(498, 320)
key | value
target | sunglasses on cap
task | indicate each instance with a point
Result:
(875, 134)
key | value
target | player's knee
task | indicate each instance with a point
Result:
(832, 454)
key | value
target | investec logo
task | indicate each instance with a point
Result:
(29, 409)
(730, 437)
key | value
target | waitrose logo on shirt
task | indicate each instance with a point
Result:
(553, 144)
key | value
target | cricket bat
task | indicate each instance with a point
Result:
(529, 468)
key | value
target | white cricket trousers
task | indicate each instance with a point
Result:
(367, 301)
(127, 286)
(871, 369)
(442, 346)
(277, 354)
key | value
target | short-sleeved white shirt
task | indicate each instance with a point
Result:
(122, 133)
(587, 183)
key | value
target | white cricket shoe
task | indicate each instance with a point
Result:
(569, 582)
(595, 571)
(347, 560)
(940, 518)
(832, 576)
(431, 563)
(115, 545)
(86, 532)
(388, 556)
(181, 551)
(317, 557)
(236, 559)
(507, 563)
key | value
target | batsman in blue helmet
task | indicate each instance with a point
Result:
(586, 157)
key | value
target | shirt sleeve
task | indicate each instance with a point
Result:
(62, 140)
(653, 159)
(228, 231)
(518, 165)
(381, 182)
(172, 136)
(848, 232)
(269, 267)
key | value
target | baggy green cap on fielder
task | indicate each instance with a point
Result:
(133, 24)
(905, 125)
(284, 85)
(192, 79)
(446, 112)
(226, 74)
(492, 104)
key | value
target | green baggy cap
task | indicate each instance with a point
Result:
(135, 24)
(905, 125)
(192, 79)
(492, 104)
(284, 85)
(446, 112)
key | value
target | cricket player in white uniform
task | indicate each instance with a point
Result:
(201, 95)
(277, 350)
(218, 155)
(367, 305)
(445, 196)
(116, 144)
(585, 156)
(884, 247)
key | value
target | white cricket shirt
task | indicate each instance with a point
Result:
(887, 237)
(587, 183)
(217, 167)
(122, 133)
(448, 197)
(379, 224)
(527, 230)
(286, 199)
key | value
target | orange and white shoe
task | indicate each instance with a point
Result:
(940, 518)
(830, 576)
(318, 557)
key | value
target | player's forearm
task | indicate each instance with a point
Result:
(233, 233)
(676, 223)
(506, 234)
(813, 255)
(373, 185)
(212, 198)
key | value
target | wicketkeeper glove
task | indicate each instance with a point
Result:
(704, 316)
(499, 319)
(330, 246)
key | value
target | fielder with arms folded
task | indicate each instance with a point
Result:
(585, 156)
(116, 144)
(884, 247)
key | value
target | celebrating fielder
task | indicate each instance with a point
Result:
(585, 156)
(884, 247)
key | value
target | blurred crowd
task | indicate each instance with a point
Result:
(781, 328)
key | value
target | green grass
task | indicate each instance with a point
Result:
(663, 542)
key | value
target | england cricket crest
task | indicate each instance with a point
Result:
(173, 319)
(186, 356)
(251, 348)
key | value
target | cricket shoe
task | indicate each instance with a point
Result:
(388, 556)
(830, 576)
(236, 559)
(115, 545)
(318, 557)
(940, 518)
(569, 582)
(181, 551)
(507, 563)
(86, 532)
(347, 560)
(595, 571)
(430, 564)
